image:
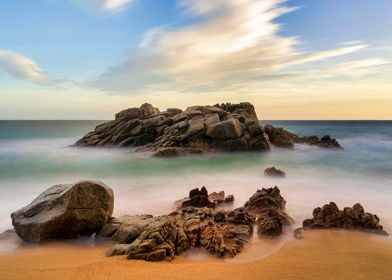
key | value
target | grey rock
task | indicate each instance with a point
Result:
(274, 172)
(65, 212)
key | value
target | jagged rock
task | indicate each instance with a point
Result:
(218, 238)
(268, 206)
(280, 137)
(229, 199)
(285, 139)
(225, 127)
(265, 199)
(65, 212)
(270, 222)
(201, 198)
(274, 172)
(163, 237)
(329, 216)
(240, 216)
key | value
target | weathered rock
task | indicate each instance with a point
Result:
(225, 127)
(265, 199)
(270, 222)
(280, 137)
(124, 229)
(219, 238)
(164, 237)
(268, 206)
(201, 198)
(175, 152)
(274, 172)
(65, 212)
(329, 216)
(285, 139)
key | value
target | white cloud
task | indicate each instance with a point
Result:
(103, 5)
(234, 43)
(22, 67)
(362, 63)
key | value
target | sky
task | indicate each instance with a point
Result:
(294, 59)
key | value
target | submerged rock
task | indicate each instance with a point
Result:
(274, 172)
(285, 139)
(224, 127)
(329, 216)
(65, 212)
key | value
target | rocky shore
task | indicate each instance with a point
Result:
(198, 129)
(85, 208)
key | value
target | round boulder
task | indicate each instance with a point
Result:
(65, 212)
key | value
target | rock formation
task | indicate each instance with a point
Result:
(201, 198)
(65, 212)
(84, 208)
(329, 216)
(274, 172)
(197, 224)
(225, 127)
(285, 139)
(268, 207)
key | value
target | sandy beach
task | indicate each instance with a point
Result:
(319, 255)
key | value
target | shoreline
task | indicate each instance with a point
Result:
(321, 254)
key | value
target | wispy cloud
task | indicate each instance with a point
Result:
(24, 68)
(103, 5)
(233, 43)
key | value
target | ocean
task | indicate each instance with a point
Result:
(35, 155)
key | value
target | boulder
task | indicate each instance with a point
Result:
(274, 172)
(354, 218)
(65, 212)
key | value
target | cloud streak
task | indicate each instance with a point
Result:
(23, 68)
(234, 43)
(103, 5)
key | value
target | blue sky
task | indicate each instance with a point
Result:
(120, 52)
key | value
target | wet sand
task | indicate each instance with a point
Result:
(319, 255)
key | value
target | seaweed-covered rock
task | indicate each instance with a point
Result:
(329, 216)
(65, 212)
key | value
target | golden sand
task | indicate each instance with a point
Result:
(319, 255)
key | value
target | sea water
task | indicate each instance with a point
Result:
(35, 155)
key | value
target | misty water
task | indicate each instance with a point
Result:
(35, 155)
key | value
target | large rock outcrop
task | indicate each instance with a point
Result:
(65, 212)
(329, 216)
(225, 127)
(285, 139)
